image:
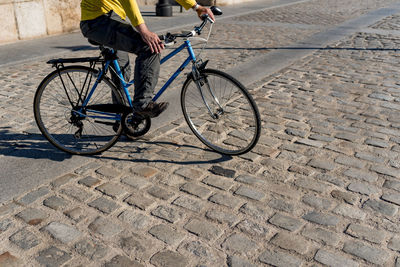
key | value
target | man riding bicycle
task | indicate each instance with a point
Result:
(103, 21)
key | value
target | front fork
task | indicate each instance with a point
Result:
(201, 80)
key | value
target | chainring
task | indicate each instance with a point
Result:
(134, 126)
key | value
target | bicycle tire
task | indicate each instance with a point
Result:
(53, 111)
(237, 128)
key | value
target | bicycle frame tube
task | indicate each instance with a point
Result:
(95, 85)
(190, 58)
(126, 85)
(171, 79)
(190, 50)
(103, 115)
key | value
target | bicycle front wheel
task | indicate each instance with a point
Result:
(221, 113)
(60, 118)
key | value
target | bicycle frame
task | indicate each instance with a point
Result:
(126, 85)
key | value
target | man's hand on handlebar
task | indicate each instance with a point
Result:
(201, 10)
(150, 38)
(153, 40)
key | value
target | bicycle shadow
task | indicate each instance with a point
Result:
(76, 48)
(164, 152)
(34, 146)
(28, 145)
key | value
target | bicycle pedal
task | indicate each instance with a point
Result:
(78, 134)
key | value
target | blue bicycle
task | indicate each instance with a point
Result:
(76, 112)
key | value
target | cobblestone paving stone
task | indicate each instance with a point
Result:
(390, 23)
(315, 12)
(320, 188)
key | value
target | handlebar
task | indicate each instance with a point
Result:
(170, 38)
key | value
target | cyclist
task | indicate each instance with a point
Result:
(104, 21)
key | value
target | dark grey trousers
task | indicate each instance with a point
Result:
(111, 31)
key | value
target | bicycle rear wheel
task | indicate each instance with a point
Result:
(221, 113)
(56, 102)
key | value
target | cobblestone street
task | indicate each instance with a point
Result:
(321, 187)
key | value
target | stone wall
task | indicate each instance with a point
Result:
(27, 19)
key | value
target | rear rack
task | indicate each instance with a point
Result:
(74, 60)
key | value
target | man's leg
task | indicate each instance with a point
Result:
(117, 34)
(147, 70)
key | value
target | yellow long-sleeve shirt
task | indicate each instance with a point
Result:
(91, 9)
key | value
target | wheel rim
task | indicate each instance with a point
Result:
(235, 129)
(61, 124)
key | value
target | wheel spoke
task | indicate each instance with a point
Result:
(58, 123)
(235, 130)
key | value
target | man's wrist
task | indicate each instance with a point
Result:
(142, 28)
